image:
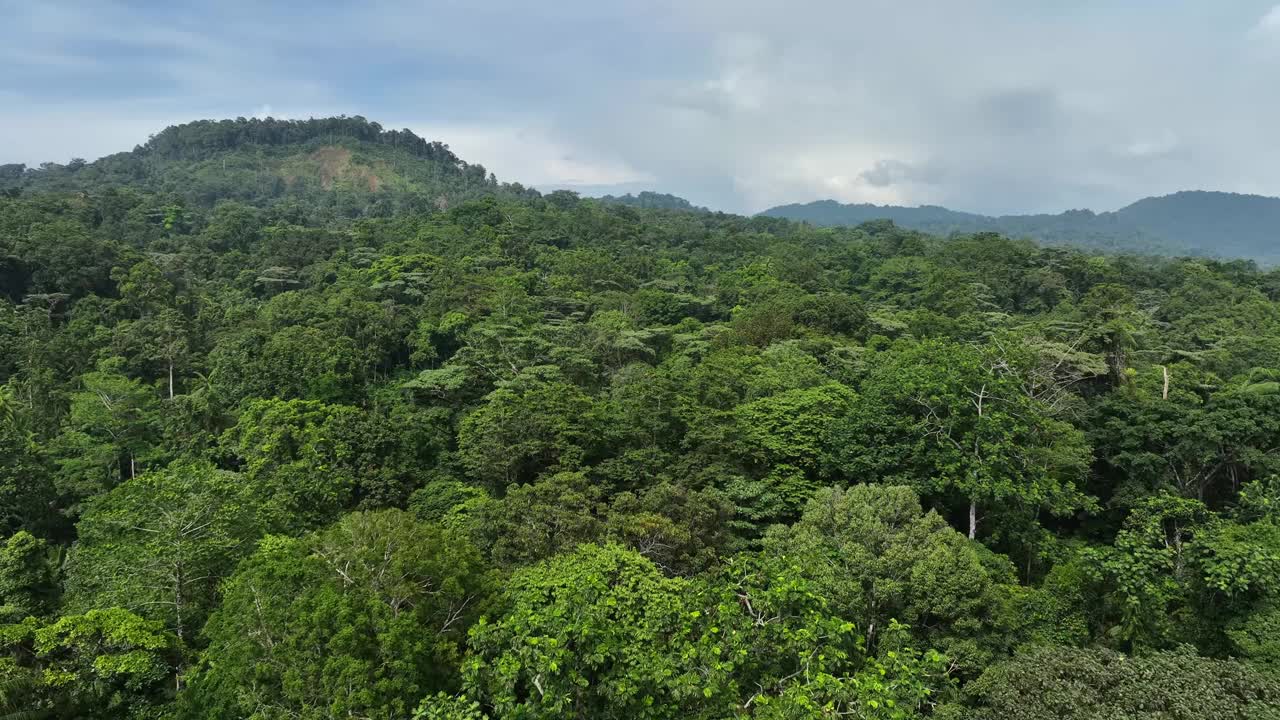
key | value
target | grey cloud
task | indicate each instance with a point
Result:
(1021, 111)
(988, 105)
(891, 172)
(884, 174)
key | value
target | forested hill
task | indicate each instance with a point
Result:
(347, 166)
(1221, 224)
(332, 452)
(1209, 224)
(652, 201)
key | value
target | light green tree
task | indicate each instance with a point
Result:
(161, 543)
(362, 619)
(946, 419)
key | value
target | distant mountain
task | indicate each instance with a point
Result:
(1214, 223)
(829, 213)
(1185, 223)
(348, 163)
(652, 201)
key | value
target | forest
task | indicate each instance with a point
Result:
(312, 419)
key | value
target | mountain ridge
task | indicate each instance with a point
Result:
(353, 164)
(353, 167)
(1186, 222)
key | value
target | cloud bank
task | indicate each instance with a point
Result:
(991, 106)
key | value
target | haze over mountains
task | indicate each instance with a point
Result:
(1214, 224)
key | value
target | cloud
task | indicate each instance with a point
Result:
(1151, 145)
(57, 134)
(1270, 22)
(895, 172)
(885, 173)
(1021, 111)
(533, 156)
(738, 104)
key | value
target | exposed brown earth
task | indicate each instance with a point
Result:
(334, 163)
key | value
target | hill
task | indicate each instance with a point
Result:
(347, 164)
(652, 201)
(1200, 223)
(1216, 223)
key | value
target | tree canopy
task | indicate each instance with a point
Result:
(313, 419)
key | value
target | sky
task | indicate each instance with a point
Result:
(994, 106)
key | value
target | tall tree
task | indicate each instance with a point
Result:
(110, 433)
(362, 619)
(161, 543)
(949, 420)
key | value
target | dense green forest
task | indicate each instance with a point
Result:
(1206, 224)
(315, 420)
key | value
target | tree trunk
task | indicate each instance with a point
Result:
(170, 379)
(1177, 552)
(973, 519)
(177, 613)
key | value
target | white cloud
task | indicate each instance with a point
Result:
(1270, 22)
(820, 171)
(33, 135)
(531, 156)
(1160, 143)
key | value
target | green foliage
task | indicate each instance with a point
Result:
(363, 618)
(649, 199)
(584, 635)
(784, 649)
(103, 664)
(1194, 441)
(17, 700)
(348, 162)
(28, 583)
(600, 633)
(286, 454)
(161, 543)
(1052, 683)
(1256, 636)
(950, 420)
(445, 707)
(1178, 572)
(790, 427)
(551, 516)
(530, 427)
(679, 529)
(26, 482)
(286, 407)
(310, 460)
(874, 555)
(110, 433)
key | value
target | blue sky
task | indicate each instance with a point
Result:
(983, 105)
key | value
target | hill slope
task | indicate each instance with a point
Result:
(1217, 223)
(1191, 223)
(346, 162)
